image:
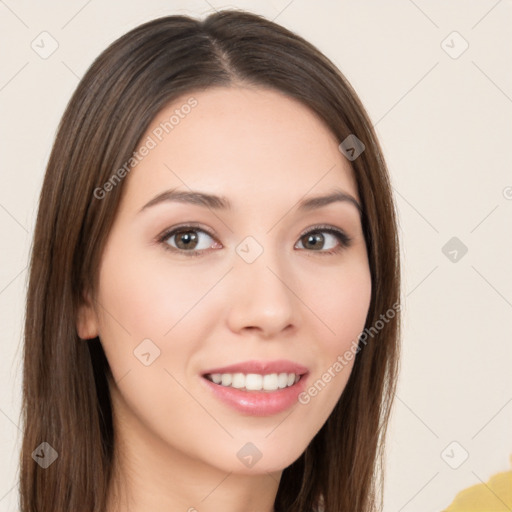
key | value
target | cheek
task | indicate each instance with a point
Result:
(149, 298)
(149, 332)
(341, 301)
(159, 301)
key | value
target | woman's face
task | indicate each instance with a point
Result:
(258, 285)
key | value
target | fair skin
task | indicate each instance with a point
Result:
(177, 443)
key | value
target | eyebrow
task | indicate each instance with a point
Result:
(222, 203)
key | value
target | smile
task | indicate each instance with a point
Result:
(254, 381)
(257, 388)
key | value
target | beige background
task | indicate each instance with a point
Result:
(445, 125)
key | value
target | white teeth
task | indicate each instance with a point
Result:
(282, 380)
(255, 381)
(226, 379)
(270, 382)
(238, 380)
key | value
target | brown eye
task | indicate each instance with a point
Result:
(317, 239)
(187, 239)
(313, 241)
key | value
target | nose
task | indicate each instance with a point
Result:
(261, 297)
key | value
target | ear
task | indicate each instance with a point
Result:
(87, 325)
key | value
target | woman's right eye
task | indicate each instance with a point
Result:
(188, 239)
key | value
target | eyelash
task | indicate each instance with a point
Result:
(343, 239)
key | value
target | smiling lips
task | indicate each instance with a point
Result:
(258, 388)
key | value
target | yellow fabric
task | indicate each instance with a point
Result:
(493, 496)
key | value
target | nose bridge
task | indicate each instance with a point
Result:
(263, 296)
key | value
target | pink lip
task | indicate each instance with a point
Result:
(261, 367)
(259, 403)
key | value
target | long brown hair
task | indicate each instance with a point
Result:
(66, 401)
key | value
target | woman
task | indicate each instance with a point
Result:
(213, 307)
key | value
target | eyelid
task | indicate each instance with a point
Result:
(329, 229)
(194, 225)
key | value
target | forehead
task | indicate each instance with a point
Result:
(240, 143)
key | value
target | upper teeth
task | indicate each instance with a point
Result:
(255, 381)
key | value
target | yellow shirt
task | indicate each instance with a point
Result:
(493, 496)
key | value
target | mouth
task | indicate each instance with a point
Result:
(257, 388)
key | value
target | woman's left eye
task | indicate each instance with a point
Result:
(188, 240)
(316, 237)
